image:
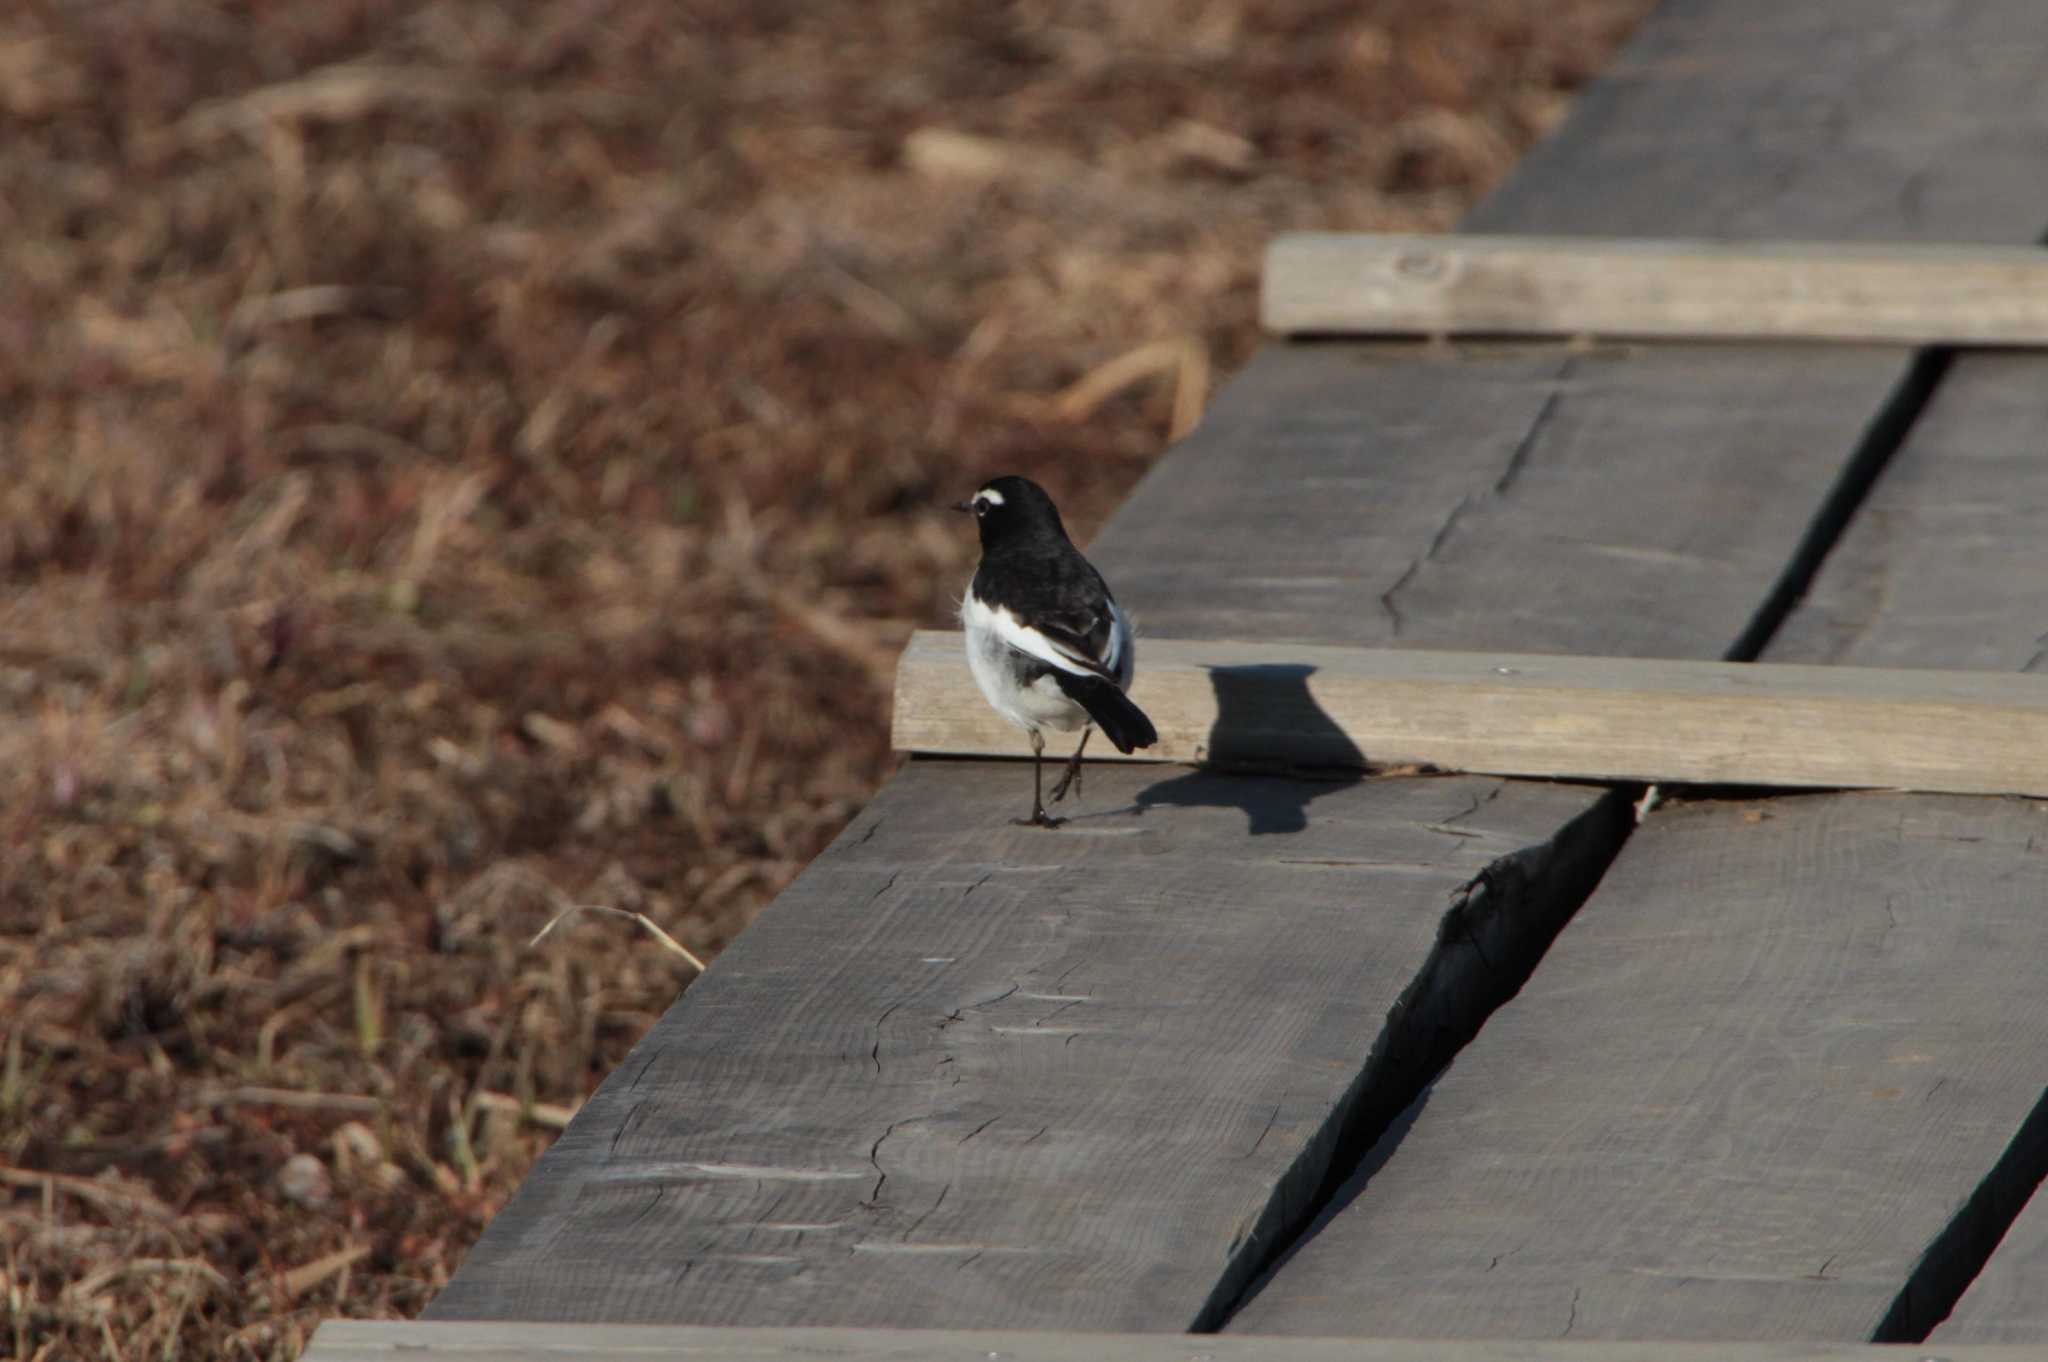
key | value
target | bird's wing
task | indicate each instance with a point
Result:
(1073, 641)
(1087, 641)
(1058, 609)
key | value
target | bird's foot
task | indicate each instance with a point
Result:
(1039, 819)
(1071, 778)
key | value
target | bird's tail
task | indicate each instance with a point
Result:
(1122, 722)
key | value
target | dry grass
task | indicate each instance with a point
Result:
(467, 458)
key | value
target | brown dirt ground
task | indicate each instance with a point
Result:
(468, 458)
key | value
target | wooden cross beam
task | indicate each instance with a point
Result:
(1595, 718)
(493, 1341)
(1353, 283)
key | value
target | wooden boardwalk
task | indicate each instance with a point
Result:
(1231, 1053)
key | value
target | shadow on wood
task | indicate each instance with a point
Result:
(1244, 738)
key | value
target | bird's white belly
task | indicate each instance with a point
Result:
(997, 669)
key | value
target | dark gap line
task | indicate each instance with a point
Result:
(1488, 943)
(1881, 439)
(1462, 983)
(1959, 1253)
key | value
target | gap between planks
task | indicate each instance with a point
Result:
(1917, 294)
(1591, 718)
(387, 1341)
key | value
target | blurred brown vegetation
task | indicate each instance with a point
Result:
(468, 458)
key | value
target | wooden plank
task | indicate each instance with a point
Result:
(1751, 1083)
(1734, 119)
(1944, 564)
(1349, 283)
(1631, 503)
(385, 1341)
(1931, 571)
(1527, 714)
(1900, 120)
(964, 1072)
(1729, 1183)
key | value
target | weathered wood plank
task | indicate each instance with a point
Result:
(1853, 120)
(1350, 283)
(1631, 503)
(1944, 563)
(1934, 570)
(1736, 1159)
(1732, 118)
(1752, 1082)
(965, 1072)
(380, 1341)
(1528, 714)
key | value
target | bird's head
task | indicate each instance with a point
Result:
(1008, 506)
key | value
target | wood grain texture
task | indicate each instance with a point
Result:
(1904, 120)
(1636, 503)
(1353, 283)
(1943, 566)
(1661, 1136)
(968, 1073)
(380, 1341)
(1525, 714)
(1753, 1080)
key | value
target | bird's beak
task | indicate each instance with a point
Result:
(963, 505)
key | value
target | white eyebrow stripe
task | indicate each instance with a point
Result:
(988, 496)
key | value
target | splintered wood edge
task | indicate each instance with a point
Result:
(1338, 283)
(1591, 718)
(381, 1341)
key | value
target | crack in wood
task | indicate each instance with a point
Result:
(1515, 906)
(1965, 1245)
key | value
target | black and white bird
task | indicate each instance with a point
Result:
(1045, 641)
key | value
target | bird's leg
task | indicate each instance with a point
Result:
(1039, 817)
(1073, 775)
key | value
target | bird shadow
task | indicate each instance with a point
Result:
(1267, 726)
